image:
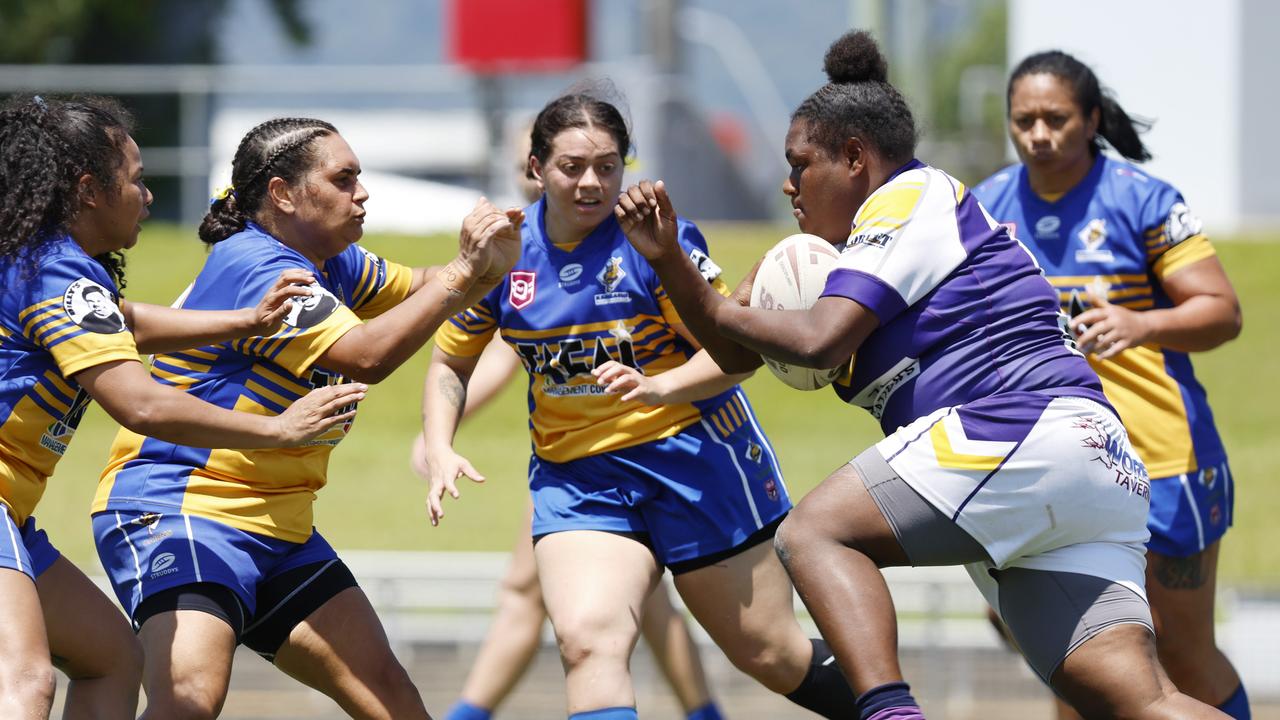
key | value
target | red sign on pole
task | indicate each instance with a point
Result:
(497, 36)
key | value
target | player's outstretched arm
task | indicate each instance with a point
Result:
(158, 328)
(488, 246)
(648, 219)
(444, 397)
(132, 398)
(698, 379)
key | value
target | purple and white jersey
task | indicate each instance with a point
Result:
(965, 313)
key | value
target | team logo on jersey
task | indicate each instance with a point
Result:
(610, 276)
(754, 452)
(57, 436)
(705, 264)
(1182, 224)
(92, 307)
(771, 489)
(524, 283)
(1092, 237)
(570, 274)
(1209, 477)
(1048, 226)
(1130, 473)
(311, 310)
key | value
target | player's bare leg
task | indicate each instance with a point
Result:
(92, 643)
(833, 545)
(342, 650)
(1182, 593)
(746, 604)
(667, 634)
(594, 584)
(26, 676)
(1116, 674)
(513, 637)
(186, 665)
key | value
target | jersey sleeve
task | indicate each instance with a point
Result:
(1173, 235)
(905, 241)
(72, 310)
(467, 333)
(695, 245)
(373, 284)
(312, 326)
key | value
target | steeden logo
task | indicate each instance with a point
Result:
(162, 561)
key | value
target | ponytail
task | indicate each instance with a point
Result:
(1121, 131)
(276, 148)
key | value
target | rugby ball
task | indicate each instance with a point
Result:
(792, 277)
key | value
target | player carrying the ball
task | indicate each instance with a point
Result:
(1001, 453)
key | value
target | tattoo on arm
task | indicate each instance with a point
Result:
(1180, 573)
(454, 392)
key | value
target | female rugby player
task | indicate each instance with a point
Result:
(1130, 263)
(516, 631)
(1002, 453)
(71, 199)
(620, 489)
(209, 549)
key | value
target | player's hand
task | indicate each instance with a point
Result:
(315, 413)
(504, 248)
(443, 470)
(1109, 329)
(274, 307)
(629, 382)
(742, 294)
(484, 228)
(644, 211)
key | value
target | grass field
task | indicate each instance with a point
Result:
(373, 499)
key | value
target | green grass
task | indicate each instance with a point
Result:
(374, 500)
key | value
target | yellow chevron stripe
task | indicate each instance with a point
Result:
(949, 458)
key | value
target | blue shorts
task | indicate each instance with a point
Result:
(1190, 512)
(145, 553)
(697, 495)
(26, 549)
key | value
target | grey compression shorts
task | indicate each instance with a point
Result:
(1050, 613)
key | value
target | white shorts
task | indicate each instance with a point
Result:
(1041, 482)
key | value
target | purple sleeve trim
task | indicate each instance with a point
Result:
(867, 289)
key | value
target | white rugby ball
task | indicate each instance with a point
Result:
(792, 277)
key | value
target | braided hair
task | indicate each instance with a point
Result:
(276, 148)
(46, 146)
(1115, 126)
(859, 102)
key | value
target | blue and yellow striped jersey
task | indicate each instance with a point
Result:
(54, 323)
(566, 312)
(1120, 232)
(264, 491)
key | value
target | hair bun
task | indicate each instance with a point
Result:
(855, 58)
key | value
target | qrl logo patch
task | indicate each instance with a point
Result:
(523, 286)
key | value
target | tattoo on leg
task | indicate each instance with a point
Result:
(1180, 573)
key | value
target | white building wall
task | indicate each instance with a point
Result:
(1175, 61)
